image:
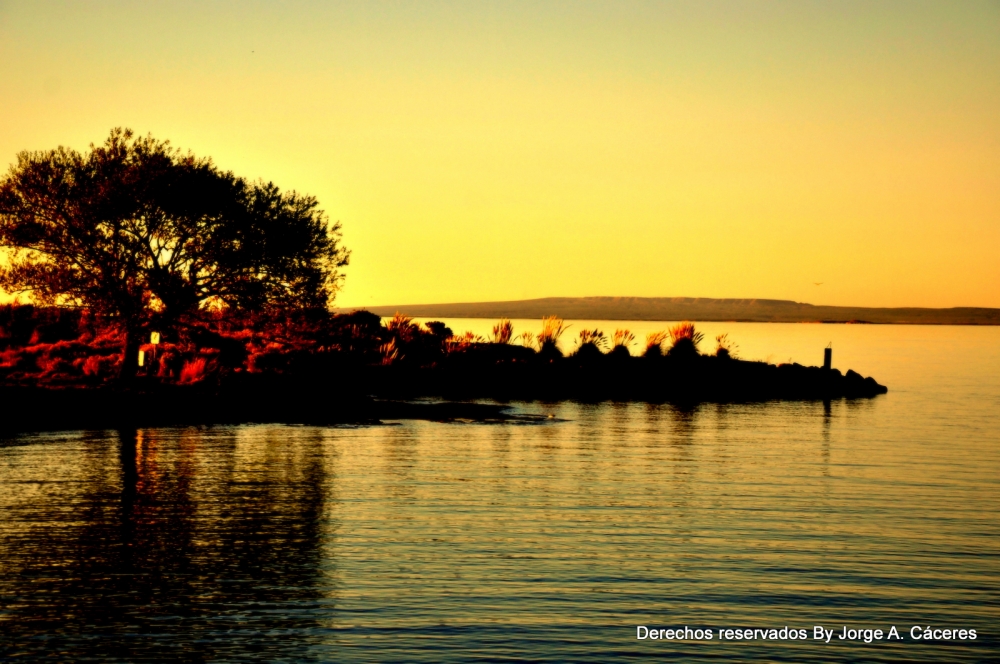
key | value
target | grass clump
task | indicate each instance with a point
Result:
(622, 338)
(390, 352)
(685, 340)
(403, 328)
(460, 342)
(592, 343)
(725, 347)
(620, 342)
(503, 332)
(593, 337)
(654, 344)
(553, 327)
(196, 371)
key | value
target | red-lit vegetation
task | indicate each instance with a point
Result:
(503, 332)
(57, 346)
(621, 341)
(592, 344)
(62, 346)
(548, 339)
(313, 366)
(654, 344)
(685, 340)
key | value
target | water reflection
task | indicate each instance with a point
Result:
(445, 542)
(187, 552)
(825, 437)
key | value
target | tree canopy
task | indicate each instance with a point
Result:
(141, 232)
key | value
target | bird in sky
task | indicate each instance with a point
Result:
(817, 283)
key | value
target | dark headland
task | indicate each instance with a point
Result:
(62, 369)
(696, 309)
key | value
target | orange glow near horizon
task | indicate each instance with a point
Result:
(481, 152)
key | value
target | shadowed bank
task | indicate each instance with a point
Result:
(354, 369)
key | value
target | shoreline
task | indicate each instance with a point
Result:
(333, 394)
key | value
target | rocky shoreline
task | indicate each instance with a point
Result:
(332, 393)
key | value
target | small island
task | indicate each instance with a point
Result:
(163, 291)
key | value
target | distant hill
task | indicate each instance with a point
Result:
(695, 309)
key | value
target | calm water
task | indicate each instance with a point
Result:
(455, 542)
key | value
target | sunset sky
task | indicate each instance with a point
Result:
(485, 151)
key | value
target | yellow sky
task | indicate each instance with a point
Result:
(483, 151)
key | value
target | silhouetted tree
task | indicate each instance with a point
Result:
(144, 234)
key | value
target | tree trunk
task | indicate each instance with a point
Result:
(130, 362)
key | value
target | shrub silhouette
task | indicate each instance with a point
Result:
(438, 329)
(592, 344)
(548, 339)
(654, 344)
(196, 371)
(725, 348)
(620, 342)
(503, 332)
(685, 340)
(390, 352)
(402, 328)
(463, 342)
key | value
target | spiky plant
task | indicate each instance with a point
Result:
(462, 341)
(527, 339)
(724, 347)
(620, 342)
(402, 327)
(622, 338)
(592, 344)
(390, 352)
(685, 340)
(654, 344)
(548, 339)
(398, 322)
(686, 330)
(503, 332)
(594, 337)
(552, 328)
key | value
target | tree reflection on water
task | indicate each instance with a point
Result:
(190, 551)
(437, 542)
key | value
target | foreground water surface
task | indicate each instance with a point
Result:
(420, 541)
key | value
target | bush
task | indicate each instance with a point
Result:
(685, 340)
(197, 370)
(503, 332)
(592, 344)
(548, 339)
(654, 344)
(725, 348)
